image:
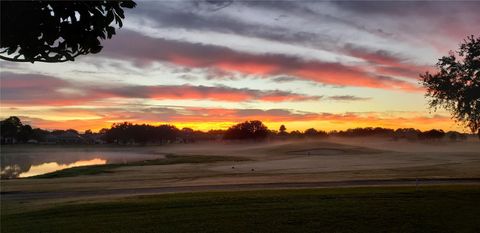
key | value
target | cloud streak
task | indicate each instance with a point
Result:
(348, 98)
(195, 55)
(27, 89)
(387, 63)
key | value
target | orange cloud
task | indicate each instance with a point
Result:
(195, 55)
(30, 90)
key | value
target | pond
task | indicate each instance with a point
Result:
(20, 161)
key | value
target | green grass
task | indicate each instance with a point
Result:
(107, 168)
(401, 209)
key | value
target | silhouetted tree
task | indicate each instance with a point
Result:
(141, 133)
(118, 133)
(283, 129)
(296, 134)
(407, 133)
(247, 130)
(10, 127)
(453, 135)
(129, 133)
(25, 133)
(313, 133)
(310, 132)
(432, 135)
(366, 132)
(103, 131)
(214, 134)
(72, 131)
(456, 85)
(166, 133)
(187, 134)
(39, 134)
(57, 31)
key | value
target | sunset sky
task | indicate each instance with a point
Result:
(327, 65)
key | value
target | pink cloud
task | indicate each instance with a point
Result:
(21, 89)
(195, 55)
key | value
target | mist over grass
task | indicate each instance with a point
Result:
(107, 168)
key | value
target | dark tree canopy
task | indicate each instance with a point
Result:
(283, 129)
(13, 130)
(315, 133)
(133, 133)
(456, 85)
(10, 127)
(432, 134)
(248, 130)
(57, 31)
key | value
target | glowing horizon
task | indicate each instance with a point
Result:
(420, 123)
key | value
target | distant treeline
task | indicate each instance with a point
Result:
(12, 130)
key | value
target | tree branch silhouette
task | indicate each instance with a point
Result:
(456, 85)
(57, 31)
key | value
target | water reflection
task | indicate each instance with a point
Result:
(25, 161)
(54, 166)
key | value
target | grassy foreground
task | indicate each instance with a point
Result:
(393, 209)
